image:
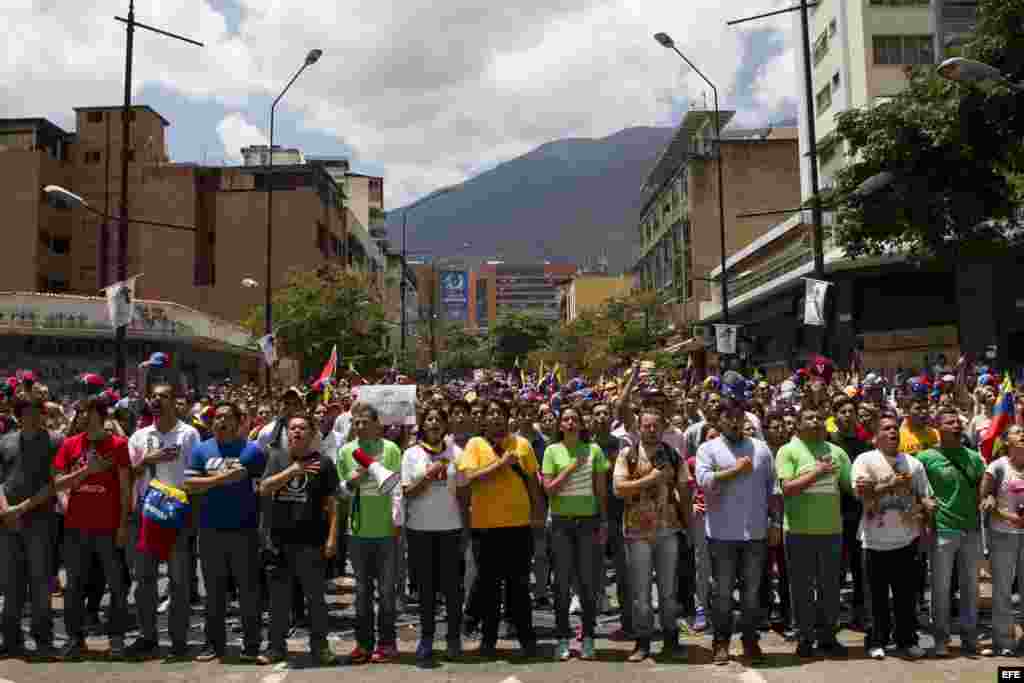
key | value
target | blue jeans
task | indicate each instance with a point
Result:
(574, 541)
(1007, 554)
(813, 562)
(646, 558)
(728, 560)
(964, 548)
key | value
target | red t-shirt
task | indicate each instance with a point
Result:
(95, 506)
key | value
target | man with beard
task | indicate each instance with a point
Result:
(162, 452)
(812, 472)
(654, 482)
(739, 474)
(223, 469)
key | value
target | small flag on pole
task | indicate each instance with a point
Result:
(121, 301)
(267, 346)
(814, 301)
(327, 374)
(725, 337)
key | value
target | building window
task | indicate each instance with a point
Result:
(903, 50)
(689, 289)
(94, 117)
(131, 155)
(60, 245)
(93, 157)
(820, 47)
(824, 99)
(835, 81)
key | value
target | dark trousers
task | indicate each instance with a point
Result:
(306, 562)
(776, 556)
(79, 546)
(890, 570)
(435, 560)
(375, 561)
(854, 559)
(25, 572)
(731, 560)
(505, 556)
(180, 567)
(231, 553)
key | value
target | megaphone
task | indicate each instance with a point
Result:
(385, 478)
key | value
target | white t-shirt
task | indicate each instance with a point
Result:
(183, 436)
(436, 507)
(342, 426)
(1009, 493)
(888, 526)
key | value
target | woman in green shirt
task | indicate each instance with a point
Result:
(575, 472)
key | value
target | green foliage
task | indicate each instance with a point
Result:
(516, 335)
(955, 149)
(320, 308)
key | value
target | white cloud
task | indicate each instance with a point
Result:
(424, 88)
(235, 133)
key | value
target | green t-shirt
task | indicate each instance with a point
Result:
(576, 497)
(372, 518)
(816, 509)
(957, 495)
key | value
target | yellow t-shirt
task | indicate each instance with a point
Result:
(913, 441)
(500, 499)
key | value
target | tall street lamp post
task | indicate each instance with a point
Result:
(311, 59)
(405, 224)
(666, 41)
(122, 228)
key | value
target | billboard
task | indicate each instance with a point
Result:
(455, 294)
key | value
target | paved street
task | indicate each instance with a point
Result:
(781, 665)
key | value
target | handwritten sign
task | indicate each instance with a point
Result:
(396, 403)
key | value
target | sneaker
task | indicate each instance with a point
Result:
(384, 654)
(72, 651)
(177, 653)
(562, 651)
(619, 635)
(325, 656)
(752, 651)
(587, 652)
(805, 649)
(913, 652)
(358, 655)
(44, 652)
(968, 649)
(877, 653)
(574, 605)
(700, 622)
(425, 654)
(272, 656)
(833, 648)
(941, 650)
(641, 652)
(720, 653)
(142, 648)
(117, 648)
(210, 653)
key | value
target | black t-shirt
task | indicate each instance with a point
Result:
(611, 445)
(295, 514)
(850, 505)
(25, 464)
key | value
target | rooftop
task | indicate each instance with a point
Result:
(679, 148)
(135, 107)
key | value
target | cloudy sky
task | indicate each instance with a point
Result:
(423, 92)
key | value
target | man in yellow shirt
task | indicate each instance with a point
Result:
(915, 434)
(501, 470)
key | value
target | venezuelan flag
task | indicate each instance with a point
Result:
(1002, 417)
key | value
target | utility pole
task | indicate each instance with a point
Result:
(122, 226)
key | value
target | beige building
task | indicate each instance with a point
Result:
(587, 292)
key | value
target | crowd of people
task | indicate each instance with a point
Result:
(739, 503)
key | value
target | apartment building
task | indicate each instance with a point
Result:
(589, 291)
(679, 226)
(518, 288)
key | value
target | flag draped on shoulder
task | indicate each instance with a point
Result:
(1002, 417)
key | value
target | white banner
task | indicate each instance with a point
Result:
(121, 302)
(814, 301)
(725, 337)
(266, 343)
(396, 403)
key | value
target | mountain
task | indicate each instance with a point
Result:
(573, 200)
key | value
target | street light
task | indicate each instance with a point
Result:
(963, 70)
(61, 197)
(666, 41)
(405, 222)
(311, 58)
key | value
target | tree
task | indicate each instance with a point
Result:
(515, 335)
(317, 309)
(955, 152)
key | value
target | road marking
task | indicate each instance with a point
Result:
(751, 676)
(511, 679)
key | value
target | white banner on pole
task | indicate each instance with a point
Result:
(266, 343)
(121, 301)
(814, 301)
(396, 403)
(725, 337)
